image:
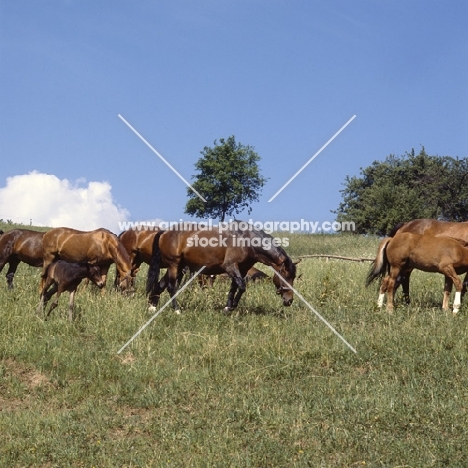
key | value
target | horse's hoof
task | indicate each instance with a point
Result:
(227, 310)
(178, 312)
(151, 308)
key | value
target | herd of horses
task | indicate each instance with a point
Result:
(67, 256)
(77, 251)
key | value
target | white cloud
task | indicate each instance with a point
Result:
(49, 201)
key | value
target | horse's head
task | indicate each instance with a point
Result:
(125, 283)
(95, 275)
(284, 279)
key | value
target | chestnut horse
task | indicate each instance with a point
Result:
(231, 251)
(432, 227)
(405, 251)
(20, 245)
(100, 247)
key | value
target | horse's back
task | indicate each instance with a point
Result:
(426, 251)
(29, 247)
(24, 244)
(74, 245)
(435, 227)
(208, 248)
(56, 236)
(7, 239)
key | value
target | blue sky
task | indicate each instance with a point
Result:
(281, 76)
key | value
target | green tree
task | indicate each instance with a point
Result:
(228, 178)
(404, 188)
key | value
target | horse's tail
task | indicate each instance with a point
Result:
(155, 266)
(396, 229)
(380, 265)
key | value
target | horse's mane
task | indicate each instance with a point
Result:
(234, 226)
(108, 231)
(289, 264)
(122, 252)
(395, 229)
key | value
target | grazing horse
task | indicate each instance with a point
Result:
(139, 246)
(432, 227)
(100, 247)
(20, 245)
(63, 276)
(232, 251)
(406, 251)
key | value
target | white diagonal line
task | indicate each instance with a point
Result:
(312, 158)
(160, 310)
(160, 157)
(316, 313)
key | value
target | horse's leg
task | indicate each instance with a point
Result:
(53, 305)
(382, 291)
(238, 296)
(135, 269)
(104, 271)
(230, 299)
(465, 285)
(71, 305)
(180, 277)
(172, 274)
(394, 272)
(46, 294)
(450, 272)
(447, 290)
(49, 295)
(48, 259)
(238, 282)
(153, 298)
(404, 280)
(42, 302)
(12, 266)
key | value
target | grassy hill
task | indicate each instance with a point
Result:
(265, 386)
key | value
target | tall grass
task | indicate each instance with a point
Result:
(265, 386)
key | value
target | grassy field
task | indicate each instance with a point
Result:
(264, 387)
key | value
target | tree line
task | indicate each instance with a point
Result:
(397, 189)
(402, 188)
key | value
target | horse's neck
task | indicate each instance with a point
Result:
(271, 257)
(121, 258)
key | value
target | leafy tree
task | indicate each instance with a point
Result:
(228, 178)
(404, 188)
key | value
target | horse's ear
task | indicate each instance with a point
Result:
(297, 261)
